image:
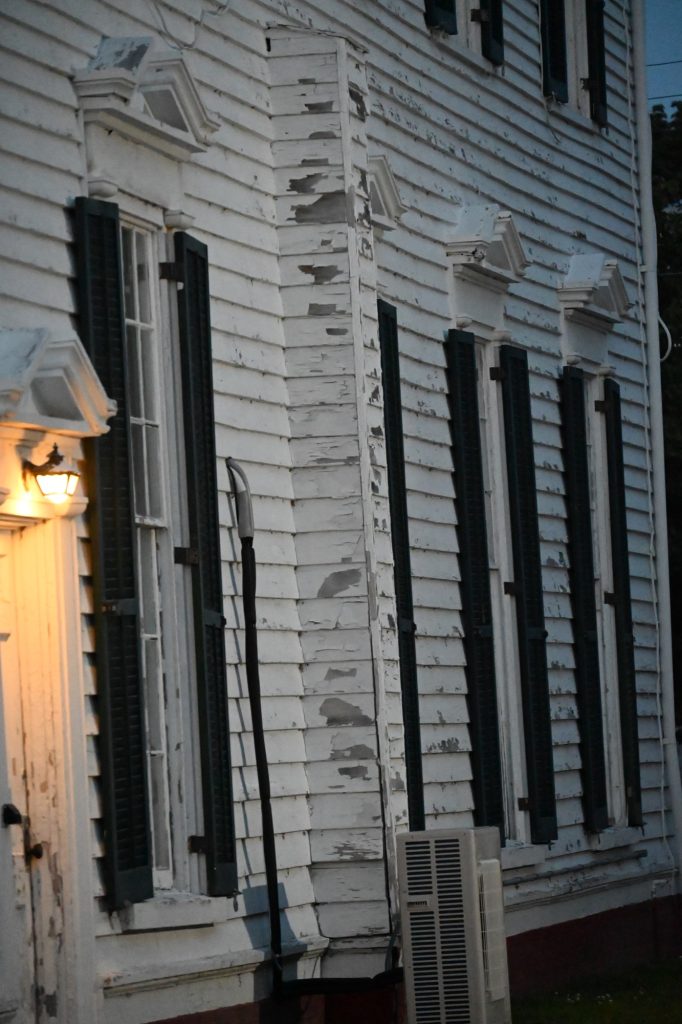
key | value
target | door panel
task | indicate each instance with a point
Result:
(16, 942)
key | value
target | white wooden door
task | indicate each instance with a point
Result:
(17, 953)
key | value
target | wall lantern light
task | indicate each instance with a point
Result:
(55, 482)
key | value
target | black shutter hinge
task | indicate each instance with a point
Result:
(479, 15)
(126, 606)
(511, 588)
(497, 373)
(408, 626)
(600, 405)
(609, 597)
(173, 271)
(523, 803)
(186, 556)
(196, 844)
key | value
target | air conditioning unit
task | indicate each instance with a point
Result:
(452, 917)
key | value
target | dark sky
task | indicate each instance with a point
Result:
(664, 43)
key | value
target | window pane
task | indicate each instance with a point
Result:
(143, 268)
(133, 370)
(128, 277)
(154, 488)
(149, 594)
(148, 369)
(139, 470)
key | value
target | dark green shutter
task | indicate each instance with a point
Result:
(477, 620)
(206, 567)
(527, 588)
(625, 652)
(400, 537)
(128, 859)
(441, 14)
(553, 38)
(596, 61)
(492, 30)
(583, 601)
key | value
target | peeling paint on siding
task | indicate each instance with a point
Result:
(322, 274)
(321, 309)
(337, 582)
(327, 209)
(359, 100)
(356, 771)
(341, 712)
(356, 752)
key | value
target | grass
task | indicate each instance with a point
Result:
(647, 995)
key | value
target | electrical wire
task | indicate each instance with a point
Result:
(176, 44)
(668, 335)
(647, 428)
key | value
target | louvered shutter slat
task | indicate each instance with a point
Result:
(122, 740)
(441, 14)
(530, 618)
(492, 30)
(400, 538)
(207, 592)
(625, 652)
(475, 579)
(596, 61)
(583, 601)
(554, 58)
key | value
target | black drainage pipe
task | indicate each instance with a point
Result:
(298, 986)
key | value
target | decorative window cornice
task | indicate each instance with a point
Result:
(387, 206)
(593, 292)
(143, 90)
(48, 383)
(485, 248)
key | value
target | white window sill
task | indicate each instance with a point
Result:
(173, 910)
(153, 977)
(522, 855)
(611, 838)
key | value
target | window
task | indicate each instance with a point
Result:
(501, 586)
(474, 562)
(573, 55)
(600, 597)
(154, 550)
(156, 560)
(479, 23)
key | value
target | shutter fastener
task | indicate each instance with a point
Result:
(172, 271)
(478, 15)
(186, 556)
(196, 844)
(609, 597)
(523, 803)
(600, 405)
(497, 373)
(510, 588)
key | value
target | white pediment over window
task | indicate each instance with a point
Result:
(48, 383)
(142, 89)
(593, 292)
(486, 256)
(485, 247)
(386, 204)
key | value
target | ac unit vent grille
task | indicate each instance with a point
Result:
(418, 869)
(454, 946)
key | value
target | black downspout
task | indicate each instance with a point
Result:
(298, 986)
(240, 489)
